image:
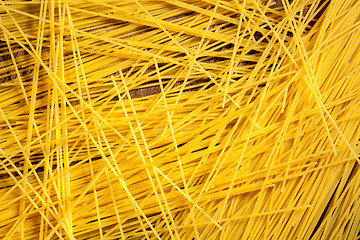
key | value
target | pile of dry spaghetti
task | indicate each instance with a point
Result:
(179, 119)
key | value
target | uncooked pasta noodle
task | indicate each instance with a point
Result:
(159, 119)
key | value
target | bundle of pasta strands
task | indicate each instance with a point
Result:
(180, 119)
